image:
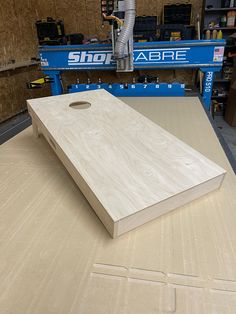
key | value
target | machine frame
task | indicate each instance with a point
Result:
(207, 55)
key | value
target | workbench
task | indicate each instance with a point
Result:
(56, 256)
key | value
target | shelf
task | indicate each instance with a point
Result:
(219, 97)
(228, 64)
(221, 81)
(219, 9)
(229, 46)
(220, 28)
(18, 65)
(213, 14)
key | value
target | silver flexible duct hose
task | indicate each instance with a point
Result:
(127, 30)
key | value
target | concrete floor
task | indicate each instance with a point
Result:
(228, 133)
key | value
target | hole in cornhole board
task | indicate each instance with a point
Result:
(80, 105)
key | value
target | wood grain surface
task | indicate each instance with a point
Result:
(55, 256)
(130, 169)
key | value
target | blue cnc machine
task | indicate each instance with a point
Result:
(206, 55)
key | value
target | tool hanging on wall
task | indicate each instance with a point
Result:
(39, 82)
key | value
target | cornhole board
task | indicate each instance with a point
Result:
(130, 169)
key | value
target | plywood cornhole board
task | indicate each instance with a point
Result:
(129, 169)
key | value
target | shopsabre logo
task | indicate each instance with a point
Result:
(165, 55)
(90, 58)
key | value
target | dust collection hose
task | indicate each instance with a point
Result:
(127, 30)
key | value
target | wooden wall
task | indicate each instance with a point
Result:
(19, 42)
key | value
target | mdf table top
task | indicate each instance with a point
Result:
(55, 256)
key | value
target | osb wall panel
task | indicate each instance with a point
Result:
(19, 42)
(17, 18)
(13, 91)
(17, 31)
